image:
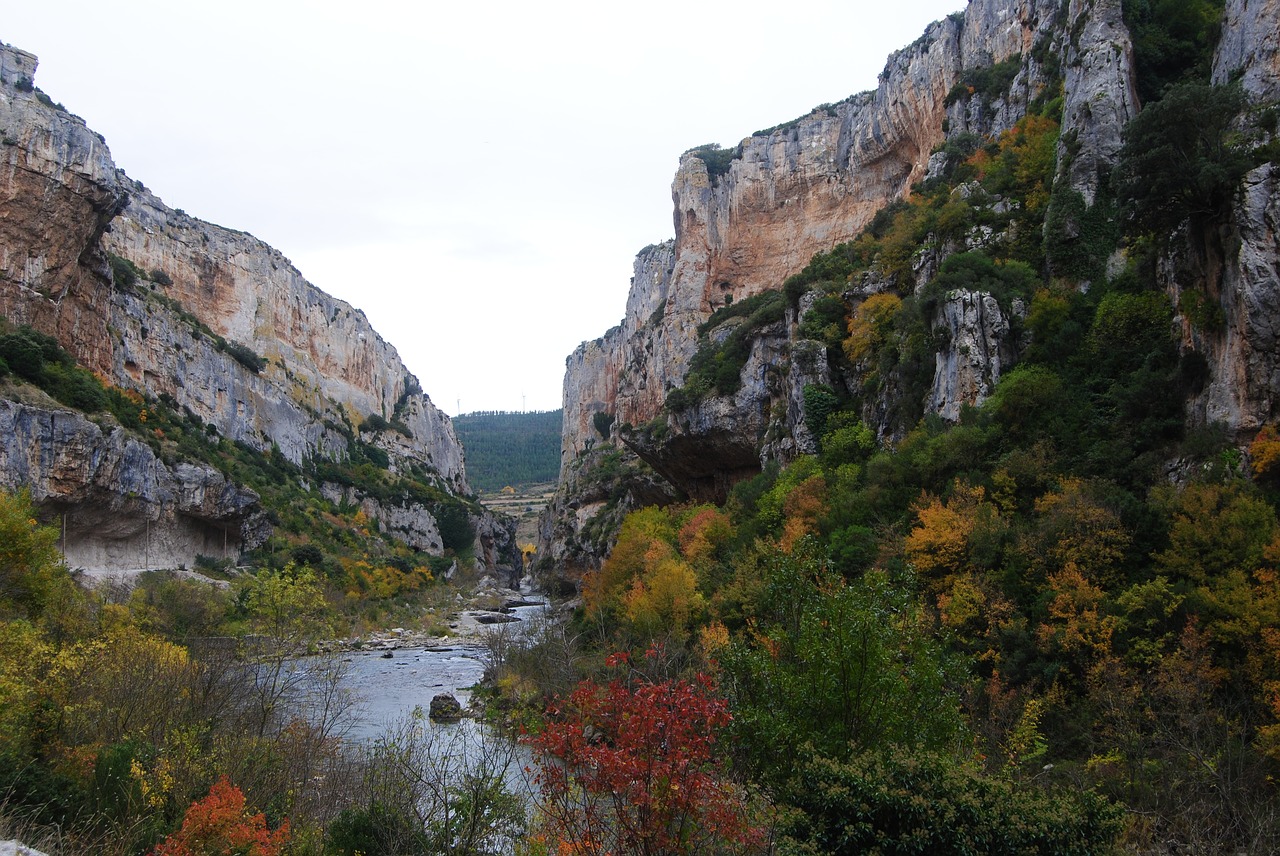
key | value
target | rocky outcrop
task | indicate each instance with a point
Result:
(60, 190)
(978, 349)
(217, 324)
(117, 505)
(1099, 94)
(578, 528)
(496, 547)
(705, 449)
(1243, 353)
(747, 218)
(1243, 392)
(325, 366)
(1250, 48)
(626, 363)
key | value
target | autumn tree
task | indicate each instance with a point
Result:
(285, 612)
(34, 583)
(220, 825)
(959, 535)
(124, 684)
(630, 767)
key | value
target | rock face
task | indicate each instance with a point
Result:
(119, 506)
(793, 191)
(1250, 48)
(60, 190)
(1244, 355)
(220, 324)
(978, 350)
(747, 218)
(325, 364)
(1099, 93)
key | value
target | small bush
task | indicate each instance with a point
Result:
(718, 160)
(123, 272)
(987, 83)
(245, 356)
(603, 423)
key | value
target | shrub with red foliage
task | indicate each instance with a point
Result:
(219, 825)
(629, 768)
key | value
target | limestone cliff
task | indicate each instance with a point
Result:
(795, 190)
(217, 323)
(117, 504)
(1243, 391)
(747, 218)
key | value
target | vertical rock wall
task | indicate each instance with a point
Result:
(796, 190)
(1244, 357)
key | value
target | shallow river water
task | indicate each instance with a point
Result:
(389, 688)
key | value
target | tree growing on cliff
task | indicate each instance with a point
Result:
(1172, 170)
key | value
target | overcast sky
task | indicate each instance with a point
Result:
(477, 177)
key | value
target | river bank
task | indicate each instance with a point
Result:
(477, 616)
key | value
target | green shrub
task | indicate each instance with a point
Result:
(373, 422)
(825, 320)
(603, 423)
(123, 272)
(456, 530)
(717, 160)
(1172, 170)
(820, 402)
(244, 355)
(901, 802)
(988, 83)
(719, 367)
(976, 271)
(1173, 42)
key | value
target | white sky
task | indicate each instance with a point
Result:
(477, 177)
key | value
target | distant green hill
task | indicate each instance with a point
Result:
(510, 448)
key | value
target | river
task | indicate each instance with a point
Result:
(389, 688)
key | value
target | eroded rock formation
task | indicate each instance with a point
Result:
(220, 324)
(1243, 391)
(118, 505)
(794, 191)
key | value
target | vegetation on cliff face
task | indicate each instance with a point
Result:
(716, 368)
(375, 575)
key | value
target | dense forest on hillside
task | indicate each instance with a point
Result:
(507, 449)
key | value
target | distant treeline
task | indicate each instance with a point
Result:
(510, 448)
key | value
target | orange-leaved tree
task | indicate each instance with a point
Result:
(219, 825)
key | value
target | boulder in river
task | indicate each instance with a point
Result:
(445, 708)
